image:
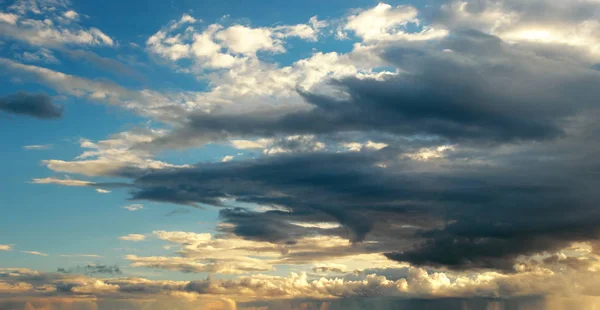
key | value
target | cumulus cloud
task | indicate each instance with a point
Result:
(385, 22)
(33, 105)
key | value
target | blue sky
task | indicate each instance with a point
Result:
(38, 211)
(228, 154)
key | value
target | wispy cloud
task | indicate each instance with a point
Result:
(38, 147)
(81, 255)
(133, 237)
(133, 207)
(34, 253)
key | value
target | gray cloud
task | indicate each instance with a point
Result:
(478, 213)
(92, 270)
(34, 105)
(479, 89)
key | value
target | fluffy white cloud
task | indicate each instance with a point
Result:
(385, 22)
(245, 40)
(308, 31)
(70, 14)
(8, 18)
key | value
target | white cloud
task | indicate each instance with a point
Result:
(425, 154)
(107, 157)
(357, 146)
(134, 207)
(52, 24)
(70, 14)
(133, 237)
(308, 31)
(38, 147)
(321, 225)
(81, 255)
(34, 253)
(381, 21)
(251, 144)
(6, 247)
(227, 158)
(102, 191)
(41, 33)
(8, 18)
(245, 40)
(65, 182)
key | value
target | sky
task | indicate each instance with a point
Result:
(307, 154)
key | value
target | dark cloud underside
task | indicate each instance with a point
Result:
(33, 105)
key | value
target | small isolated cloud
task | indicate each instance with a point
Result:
(34, 105)
(35, 253)
(38, 147)
(133, 237)
(134, 207)
(102, 191)
(65, 182)
(5, 247)
(227, 158)
(70, 14)
(81, 255)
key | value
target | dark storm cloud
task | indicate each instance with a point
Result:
(464, 214)
(469, 87)
(523, 178)
(34, 105)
